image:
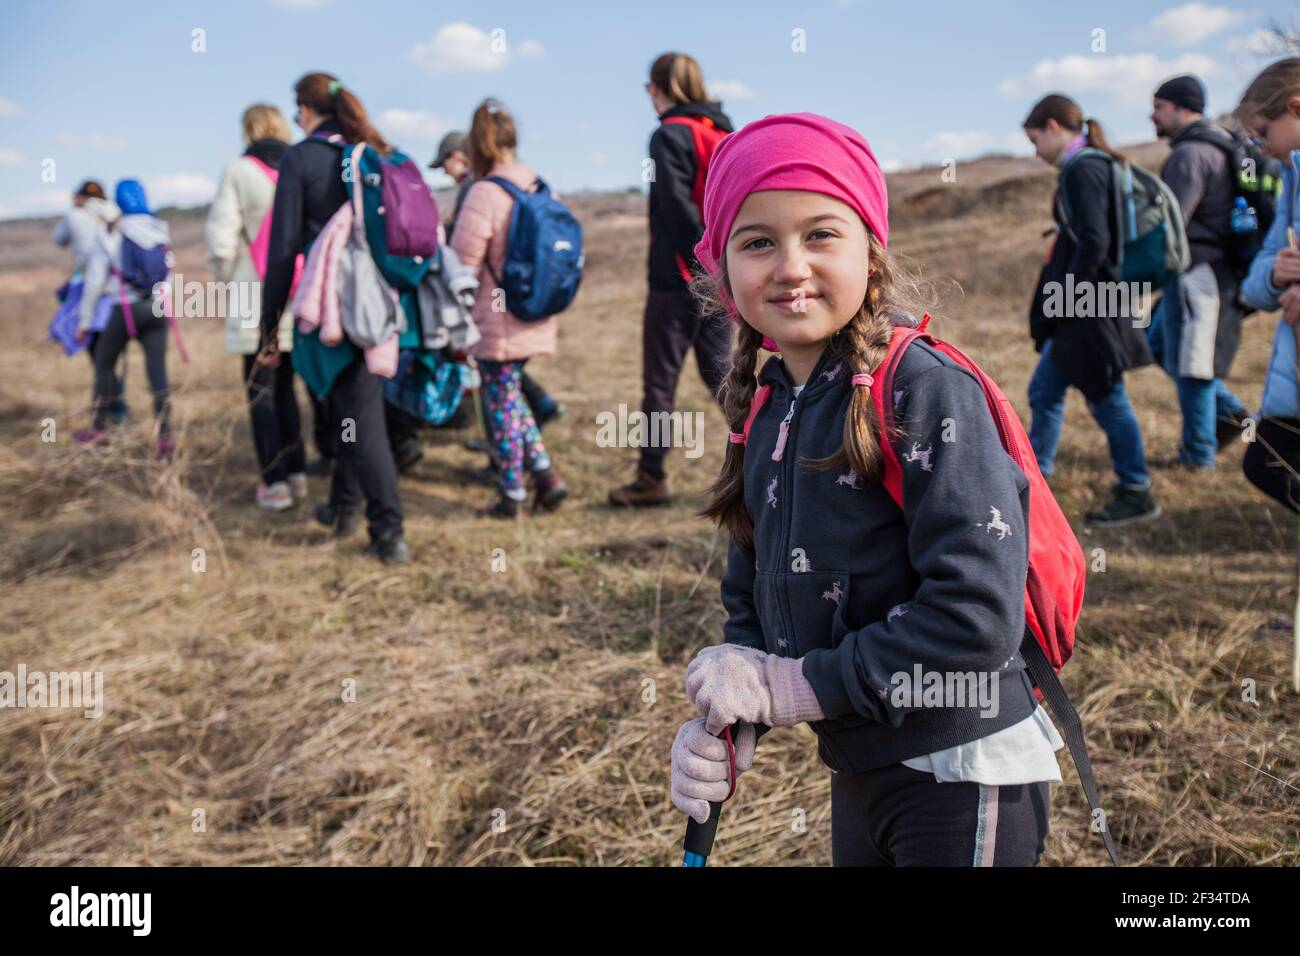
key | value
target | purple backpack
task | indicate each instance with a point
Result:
(410, 216)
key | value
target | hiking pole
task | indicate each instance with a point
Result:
(1295, 615)
(699, 836)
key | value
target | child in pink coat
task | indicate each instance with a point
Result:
(480, 238)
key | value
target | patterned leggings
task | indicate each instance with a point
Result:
(513, 436)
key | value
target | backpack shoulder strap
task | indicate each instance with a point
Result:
(755, 405)
(1044, 677)
(515, 192)
(271, 172)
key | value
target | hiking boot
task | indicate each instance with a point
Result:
(549, 490)
(273, 497)
(646, 491)
(390, 549)
(91, 436)
(504, 507)
(1126, 506)
(407, 454)
(298, 485)
(1227, 429)
(164, 449)
(549, 412)
(344, 523)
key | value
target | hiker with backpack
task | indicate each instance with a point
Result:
(498, 234)
(690, 127)
(237, 235)
(128, 263)
(855, 560)
(1270, 110)
(316, 179)
(453, 160)
(1196, 328)
(1089, 352)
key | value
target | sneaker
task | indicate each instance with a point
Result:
(549, 490)
(1126, 506)
(391, 549)
(298, 485)
(273, 497)
(504, 507)
(344, 523)
(646, 491)
(164, 449)
(90, 436)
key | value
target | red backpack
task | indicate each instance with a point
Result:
(706, 136)
(1057, 572)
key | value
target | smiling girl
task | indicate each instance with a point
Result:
(831, 590)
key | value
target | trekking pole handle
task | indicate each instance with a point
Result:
(699, 836)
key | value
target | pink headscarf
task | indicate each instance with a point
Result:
(789, 151)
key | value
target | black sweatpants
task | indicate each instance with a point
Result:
(151, 330)
(365, 468)
(897, 816)
(1273, 459)
(273, 410)
(322, 427)
(672, 325)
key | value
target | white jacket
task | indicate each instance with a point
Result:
(244, 199)
(106, 255)
(81, 225)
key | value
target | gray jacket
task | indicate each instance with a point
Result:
(1201, 176)
(863, 591)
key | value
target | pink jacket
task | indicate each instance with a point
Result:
(481, 231)
(316, 303)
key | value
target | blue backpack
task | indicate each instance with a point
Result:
(142, 269)
(543, 264)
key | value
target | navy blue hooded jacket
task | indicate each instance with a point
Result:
(861, 590)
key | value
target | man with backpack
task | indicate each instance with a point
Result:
(1221, 185)
(690, 127)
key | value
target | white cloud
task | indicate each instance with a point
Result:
(8, 107)
(1018, 145)
(1129, 78)
(418, 125)
(730, 90)
(10, 157)
(67, 139)
(180, 189)
(461, 47)
(1259, 41)
(1193, 22)
(958, 145)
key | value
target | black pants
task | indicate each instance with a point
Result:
(322, 427)
(151, 330)
(1273, 458)
(273, 410)
(672, 325)
(365, 468)
(897, 816)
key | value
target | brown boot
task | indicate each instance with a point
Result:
(645, 492)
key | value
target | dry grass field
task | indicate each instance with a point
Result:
(525, 717)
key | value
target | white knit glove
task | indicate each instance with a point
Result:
(701, 768)
(729, 683)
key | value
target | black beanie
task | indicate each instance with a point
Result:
(1185, 91)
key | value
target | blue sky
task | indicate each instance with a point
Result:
(89, 89)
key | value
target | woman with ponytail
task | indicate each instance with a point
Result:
(310, 190)
(1088, 351)
(831, 591)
